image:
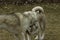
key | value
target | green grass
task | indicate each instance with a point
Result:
(52, 12)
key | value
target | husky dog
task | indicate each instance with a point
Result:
(32, 22)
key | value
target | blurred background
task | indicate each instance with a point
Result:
(52, 12)
(19, 2)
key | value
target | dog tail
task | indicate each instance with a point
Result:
(38, 9)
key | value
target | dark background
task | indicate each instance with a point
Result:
(18, 2)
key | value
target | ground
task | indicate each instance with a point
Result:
(52, 12)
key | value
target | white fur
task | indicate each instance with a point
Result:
(38, 7)
(31, 15)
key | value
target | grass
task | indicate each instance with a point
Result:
(52, 12)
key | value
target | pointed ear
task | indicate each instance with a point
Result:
(25, 14)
